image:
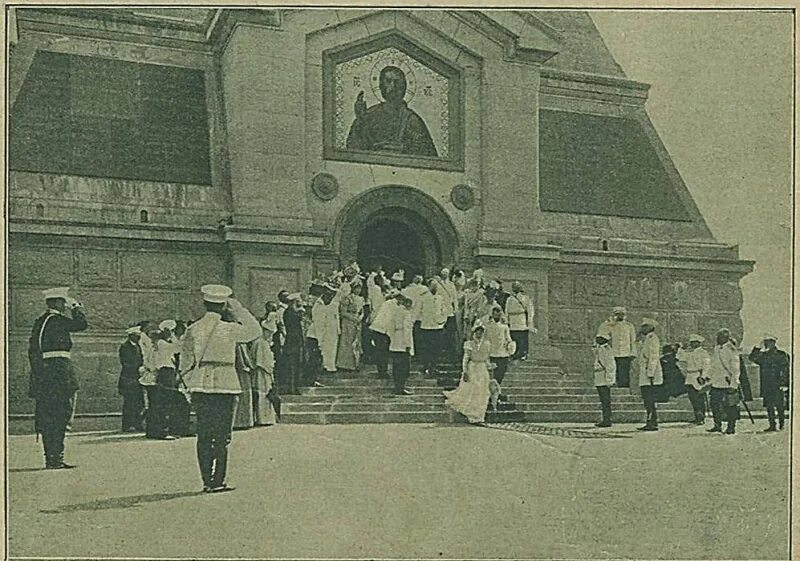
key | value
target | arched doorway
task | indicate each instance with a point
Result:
(396, 228)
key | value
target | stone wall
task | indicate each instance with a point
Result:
(119, 283)
(580, 298)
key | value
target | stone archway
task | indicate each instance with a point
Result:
(396, 227)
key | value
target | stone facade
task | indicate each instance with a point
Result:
(259, 225)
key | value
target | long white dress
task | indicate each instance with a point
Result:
(471, 398)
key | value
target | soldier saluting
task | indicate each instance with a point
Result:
(207, 362)
(53, 380)
(774, 366)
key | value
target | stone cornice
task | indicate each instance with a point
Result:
(643, 260)
(156, 232)
(501, 250)
(558, 254)
(162, 232)
(77, 24)
(247, 235)
(515, 47)
(555, 76)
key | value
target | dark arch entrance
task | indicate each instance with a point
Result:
(393, 241)
(396, 227)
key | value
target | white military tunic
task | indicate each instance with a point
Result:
(209, 352)
(696, 365)
(724, 368)
(650, 373)
(519, 311)
(605, 367)
(622, 335)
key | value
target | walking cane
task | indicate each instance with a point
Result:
(746, 408)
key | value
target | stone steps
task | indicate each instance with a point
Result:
(436, 390)
(438, 398)
(535, 393)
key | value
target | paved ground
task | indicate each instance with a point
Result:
(412, 491)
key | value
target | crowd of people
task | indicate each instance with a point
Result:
(715, 381)
(231, 367)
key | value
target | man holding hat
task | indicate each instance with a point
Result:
(724, 374)
(207, 362)
(131, 360)
(622, 335)
(605, 377)
(519, 311)
(774, 367)
(650, 374)
(696, 363)
(53, 381)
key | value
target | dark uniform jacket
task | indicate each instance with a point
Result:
(131, 359)
(674, 379)
(294, 340)
(774, 372)
(48, 353)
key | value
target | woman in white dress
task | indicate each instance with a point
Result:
(471, 397)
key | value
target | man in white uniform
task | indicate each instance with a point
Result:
(519, 311)
(207, 363)
(622, 335)
(696, 364)
(724, 375)
(605, 377)
(651, 376)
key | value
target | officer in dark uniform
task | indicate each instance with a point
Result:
(774, 369)
(53, 381)
(131, 361)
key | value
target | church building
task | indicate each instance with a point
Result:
(155, 150)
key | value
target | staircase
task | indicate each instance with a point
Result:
(535, 393)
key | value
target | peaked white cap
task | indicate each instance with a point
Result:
(167, 324)
(134, 329)
(216, 293)
(60, 292)
(694, 337)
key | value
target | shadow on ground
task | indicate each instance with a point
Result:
(120, 502)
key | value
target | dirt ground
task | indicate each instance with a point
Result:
(412, 491)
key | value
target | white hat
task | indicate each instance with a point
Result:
(167, 324)
(649, 321)
(134, 329)
(216, 293)
(294, 296)
(399, 276)
(478, 325)
(60, 292)
(619, 310)
(769, 337)
(694, 337)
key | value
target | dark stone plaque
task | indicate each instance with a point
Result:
(463, 197)
(325, 186)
